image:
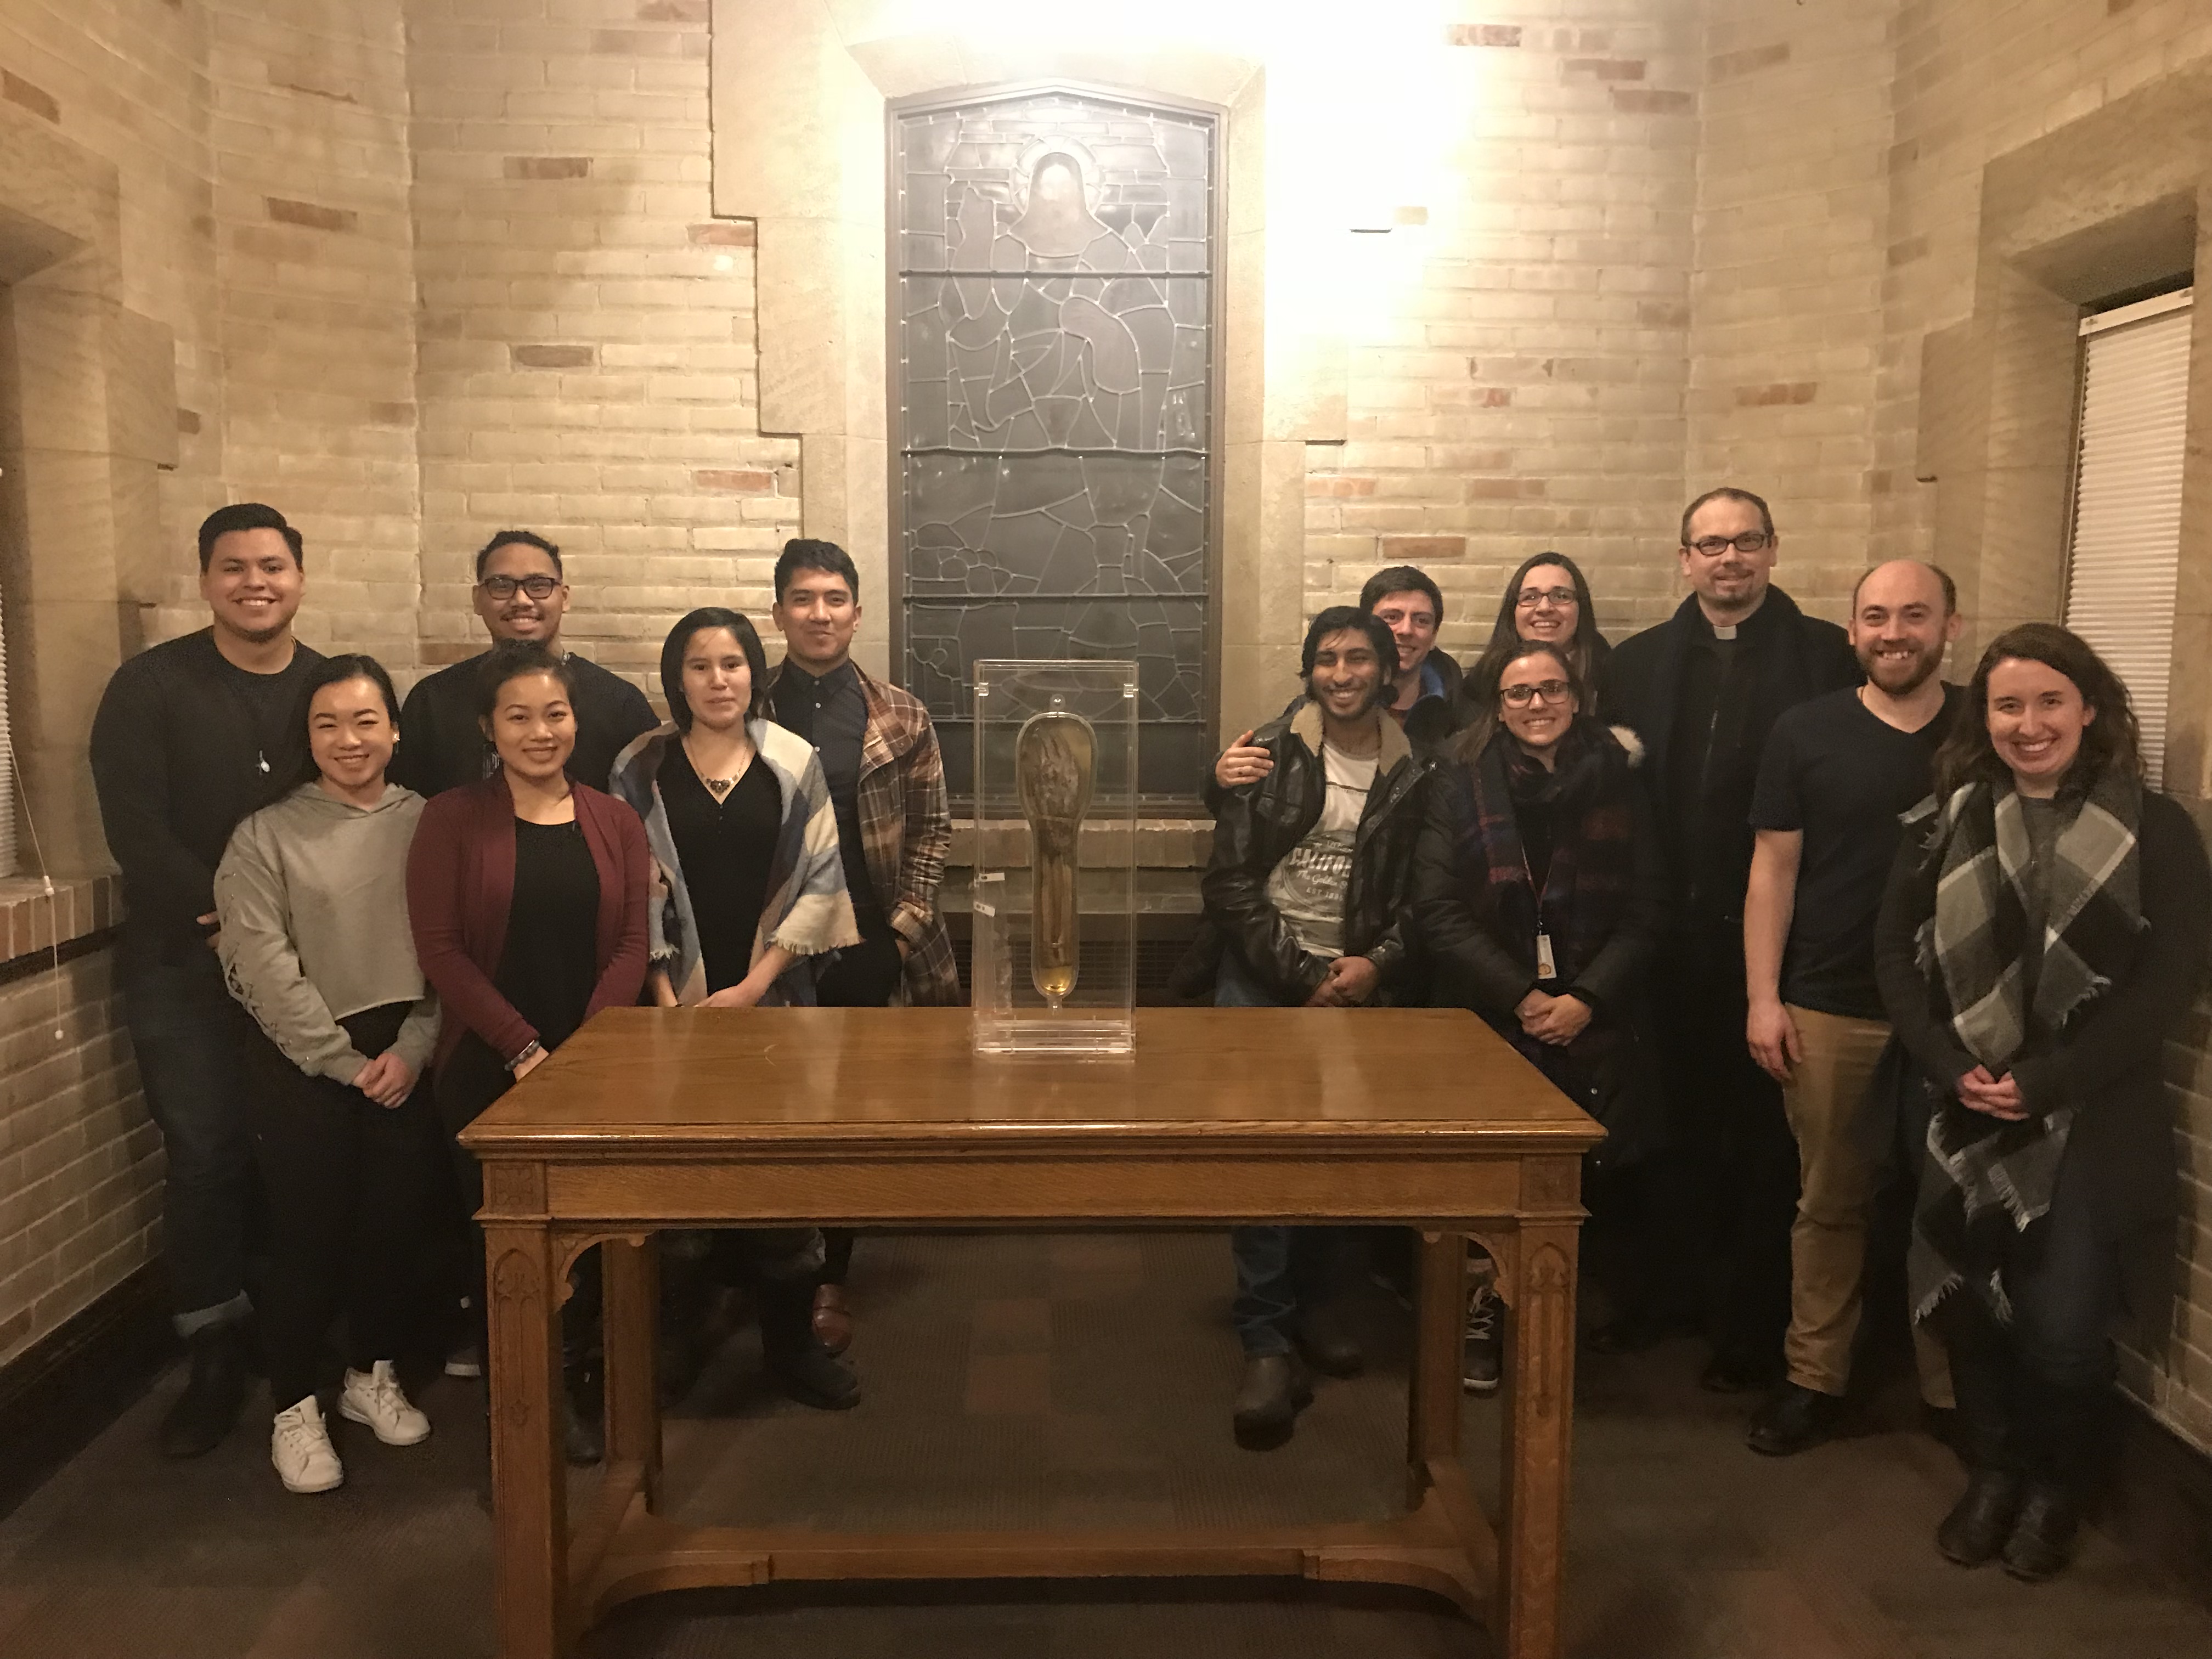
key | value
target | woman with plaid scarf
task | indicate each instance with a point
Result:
(2042, 933)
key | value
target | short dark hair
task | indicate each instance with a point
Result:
(248, 516)
(679, 641)
(803, 553)
(1728, 493)
(527, 538)
(2112, 740)
(510, 660)
(1401, 579)
(1942, 576)
(1337, 619)
(337, 671)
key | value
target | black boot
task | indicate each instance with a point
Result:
(209, 1405)
(1325, 1337)
(1796, 1419)
(1981, 1521)
(1269, 1401)
(1985, 1379)
(796, 1359)
(2062, 1431)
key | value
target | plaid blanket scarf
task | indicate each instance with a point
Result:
(1592, 868)
(1986, 1180)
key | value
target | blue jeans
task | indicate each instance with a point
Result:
(186, 1031)
(1277, 1268)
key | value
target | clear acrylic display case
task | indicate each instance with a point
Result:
(1054, 963)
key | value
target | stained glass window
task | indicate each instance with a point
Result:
(1054, 311)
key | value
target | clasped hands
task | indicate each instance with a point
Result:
(1350, 982)
(1993, 1096)
(1558, 1020)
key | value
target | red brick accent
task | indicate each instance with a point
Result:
(1337, 484)
(1407, 550)
(746, 480)
(440, 653)
(554, 356)
(1781, 391)
(1482, 35)
(1646, 100)
(548, 167)
(1729, 64)
(36, 100)
(312, 214)
(725, 233)
(188, 421)
(1605, 68)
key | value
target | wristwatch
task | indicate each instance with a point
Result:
(532, 1047)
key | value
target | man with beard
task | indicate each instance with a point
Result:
(1837, 773)
(521, 593)
(1309, 884)
(1703, 691)
(192, 735)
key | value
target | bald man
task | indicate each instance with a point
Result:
(1836, 773)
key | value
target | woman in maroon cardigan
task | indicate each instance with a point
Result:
(527, 897)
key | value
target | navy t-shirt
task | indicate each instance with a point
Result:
(1842, 775)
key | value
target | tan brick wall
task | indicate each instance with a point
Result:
(587, 361)
(80, 1161)
(1523, 391)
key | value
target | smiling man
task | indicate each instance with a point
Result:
(522, 593)
(1837, 773)
(1308, 885)
(1703, 690)
(192, 736)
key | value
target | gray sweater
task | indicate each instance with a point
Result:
(313, 896)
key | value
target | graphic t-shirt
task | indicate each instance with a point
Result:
(1307, 888)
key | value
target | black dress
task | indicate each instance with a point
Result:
(726, 849)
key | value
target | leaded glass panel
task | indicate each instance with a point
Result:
(1054, 310)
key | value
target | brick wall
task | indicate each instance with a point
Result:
(1523, 389)
(588, 362)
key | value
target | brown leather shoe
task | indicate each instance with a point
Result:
(833, 1322)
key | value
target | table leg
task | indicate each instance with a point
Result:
(529, 1485)
(1540, 1374)
(1433, 1378)
(632, 1279)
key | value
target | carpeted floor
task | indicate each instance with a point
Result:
(1061, 1379)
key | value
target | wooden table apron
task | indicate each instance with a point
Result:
(650, 1119)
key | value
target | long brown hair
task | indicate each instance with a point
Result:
(1587, 648)
(1482, 694)
(1966, 755)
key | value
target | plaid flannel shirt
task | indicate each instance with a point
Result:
(906, 830)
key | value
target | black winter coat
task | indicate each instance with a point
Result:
(1257, 825)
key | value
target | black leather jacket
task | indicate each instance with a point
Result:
(1256, 826)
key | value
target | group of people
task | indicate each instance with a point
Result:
(352, 925)
(1802, 925)
(1806, 929)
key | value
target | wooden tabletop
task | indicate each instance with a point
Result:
(710, 1081)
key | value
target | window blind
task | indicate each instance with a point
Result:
(2126, 539)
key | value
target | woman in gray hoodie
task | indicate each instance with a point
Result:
(314, 940)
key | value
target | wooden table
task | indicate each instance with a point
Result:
(648, 1119)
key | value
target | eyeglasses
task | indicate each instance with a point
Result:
(1529, 597)
(502, 588)
(1520, 696)
(1750, 541)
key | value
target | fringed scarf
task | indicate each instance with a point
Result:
(1986, 1180)
(1593, 867)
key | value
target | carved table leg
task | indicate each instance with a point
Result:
(1433, 1378)
(632, 1279)
(1540, 1376)
(530, 1528)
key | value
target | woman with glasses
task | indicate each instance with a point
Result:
(749, 904)
(2042, 934)
(1539, 897)
(1547, 600)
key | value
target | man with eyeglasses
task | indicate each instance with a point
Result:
(1703, 690)
(522, 593)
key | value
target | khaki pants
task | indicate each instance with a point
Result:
(1839, 1156)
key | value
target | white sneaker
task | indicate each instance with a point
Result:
(374, 1398)
(299, 1446)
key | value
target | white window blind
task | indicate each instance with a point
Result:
(2126, 536)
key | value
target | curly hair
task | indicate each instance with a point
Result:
(2114, 739)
